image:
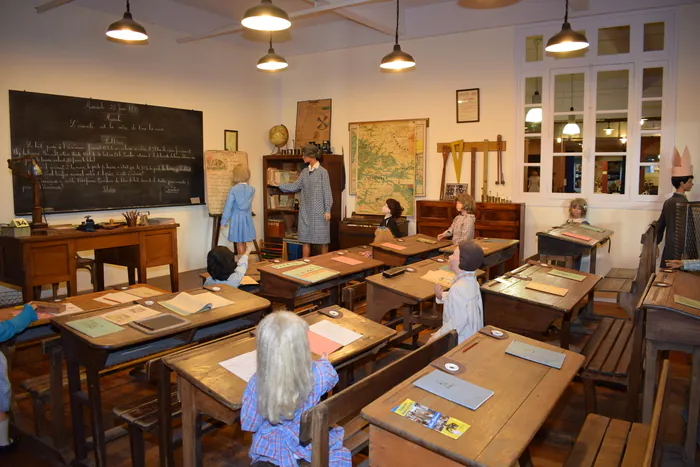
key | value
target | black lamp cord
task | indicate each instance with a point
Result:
(397, 21)
(270, 41)
(129, 11)
(566, 14)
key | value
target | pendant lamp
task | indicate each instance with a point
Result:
(127, 30)
(271, 61)
(397, 59)
(266, 17)
(571, 128)
(566, 40)
(608, 131)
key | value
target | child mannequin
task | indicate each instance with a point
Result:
(238, 212)
(287, 384)
(392, 210)
(578, 209)
(463, 309)
(223, 269)
(462, 228)
(8, 329)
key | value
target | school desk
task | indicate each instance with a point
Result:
(404, 292)
(409, 250)
(95, 354)
(278, 287)
(572, 239)
(207, 387)
(525, 393)
(514, 306)
(673, 326)
(41, 329)
(49, 258)
(497, 251)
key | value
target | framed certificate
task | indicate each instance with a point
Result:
(468, 105)
(231, 140)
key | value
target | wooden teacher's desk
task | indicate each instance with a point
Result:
(501, 429)
(571, 240)
(49, 258)
(207, 387)
(407, 250)
(278, 287)
(671, 325)
(512, 305)
(497, 251)
(95, 354)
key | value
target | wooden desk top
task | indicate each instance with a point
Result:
(201, 367)
(325, 261)
(244, 303)
(86, 301)
(681, 283)
(413, 246)
(410, 284)
(489, 245)
(596, 238)
(539, 273)
(525, 393)
(69, 233)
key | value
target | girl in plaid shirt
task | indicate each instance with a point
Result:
(287, 383)
(462, 228)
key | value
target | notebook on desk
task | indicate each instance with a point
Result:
(536, 354)
(454, 389)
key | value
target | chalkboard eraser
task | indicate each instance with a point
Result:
(195, 200)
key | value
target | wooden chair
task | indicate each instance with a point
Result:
(606, 442)
(345, 407)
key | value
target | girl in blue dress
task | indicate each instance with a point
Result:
(237, 212)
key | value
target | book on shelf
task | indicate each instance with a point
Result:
(276, 176)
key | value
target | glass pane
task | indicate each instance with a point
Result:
(566, 174)
(613, 90)
(572, 139)
(533, 115)
(651, 115)
(650, 150)
(613, 41)
(533, 49)
(531, 179)
(533, 90)
(574, 54)
(649, 180)
(653, 82)
(611, 132)
(653, 36)
(568, 92)
(533, 150)
(610, 174)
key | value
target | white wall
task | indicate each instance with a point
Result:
(65, 52)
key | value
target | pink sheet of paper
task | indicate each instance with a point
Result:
(320, 345)
(346, 260)
(393, 246)
(580, 237)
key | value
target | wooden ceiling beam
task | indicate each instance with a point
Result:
(51, 5)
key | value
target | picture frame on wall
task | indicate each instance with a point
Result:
(231, 140)
(468, 105)
(454, 189)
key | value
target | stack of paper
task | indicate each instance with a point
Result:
(334, 332)
(94, 327)
(440, 276)
(185, 304)
(244, 366)
(117, 298)
(144, 292)
(126, 315)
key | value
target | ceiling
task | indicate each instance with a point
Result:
(371, 22)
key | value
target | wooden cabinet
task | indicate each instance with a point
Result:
(281, 222)
(495, 220)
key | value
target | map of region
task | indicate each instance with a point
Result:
(387, 161)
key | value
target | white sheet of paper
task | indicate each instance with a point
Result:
(216, 301)
(144, 292)
(116, 298)
(247, 280)
(334, 332)
(126, 315)
(244, 366)
(70, 309)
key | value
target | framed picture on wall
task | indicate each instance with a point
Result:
(231, 140)
(468, 105)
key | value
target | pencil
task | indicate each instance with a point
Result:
(469, 347)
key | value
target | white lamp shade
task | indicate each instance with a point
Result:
(266, 17)
(571, 129)
(534, 115)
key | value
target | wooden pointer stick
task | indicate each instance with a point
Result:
(485, 183)
(445, 155)
(472, 185)
(500, 158)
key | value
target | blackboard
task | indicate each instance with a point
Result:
(97, 154)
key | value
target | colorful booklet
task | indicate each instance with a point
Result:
(448, 426)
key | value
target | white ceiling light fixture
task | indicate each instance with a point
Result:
(397, 60)
(126, 30)
(272, 61)
(266, 17)
(608, 131)
(566, 40)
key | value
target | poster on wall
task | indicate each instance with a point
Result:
(313, 122)
(387, 160)
(468, 105)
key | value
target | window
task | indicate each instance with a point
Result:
(595, 124)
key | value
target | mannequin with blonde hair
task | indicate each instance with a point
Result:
(287, 383)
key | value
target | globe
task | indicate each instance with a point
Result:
(279, 135)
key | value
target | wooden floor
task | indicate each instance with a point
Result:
(228, 446)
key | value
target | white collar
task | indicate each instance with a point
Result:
(315, 166)
(387, 216)
(242, 183)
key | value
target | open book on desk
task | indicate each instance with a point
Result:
(185, 304)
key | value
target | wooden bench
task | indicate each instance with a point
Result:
(354, 294)
(344, 407)
(606, 442)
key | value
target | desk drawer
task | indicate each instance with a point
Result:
(50, 262)
(106, 241)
